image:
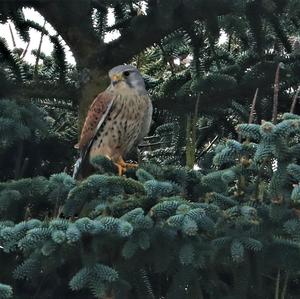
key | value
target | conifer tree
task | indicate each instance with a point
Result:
(161, 231)
(227, 230)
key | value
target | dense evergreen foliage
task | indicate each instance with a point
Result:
(212, 211)
(230, 230)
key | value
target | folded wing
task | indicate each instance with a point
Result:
(94, 119)
(96, 115)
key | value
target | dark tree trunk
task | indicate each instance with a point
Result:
(97, 82)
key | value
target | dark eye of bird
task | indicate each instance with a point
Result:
(126, 73)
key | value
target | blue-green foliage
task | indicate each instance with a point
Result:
(212, 234)
(21, 194)
(59, 187)
(19, 121)
(94, 277)
(140, 238)
(5, 291)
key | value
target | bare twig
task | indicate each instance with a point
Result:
(195, 118)
(18, 160)
(294, 102)
(277, 285)
(230, 38)
(209, 146)
(24, 167)
(239, 137)
(251, 116)
(25, 51)
(191, 136)
(285, 284)
(12, 35)
(39, 288)
(149, 144)
(38, 54)
(275, 97)
(57, 105)
(203, 128)
(189, 160)
(139, 60)
(151, 137)
(258, 178)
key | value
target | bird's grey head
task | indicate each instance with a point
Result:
(124, 76)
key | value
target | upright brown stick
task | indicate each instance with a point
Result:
(251, 116)
(285, 285)
(295, 98)
(12, 35)
(191, 137)
(209, 146)
(25, 51)
(38, 54)
(275, 98)
(276, 296)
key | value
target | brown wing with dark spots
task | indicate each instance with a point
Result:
(94, 116)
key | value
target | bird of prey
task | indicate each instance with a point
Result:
(117, 120)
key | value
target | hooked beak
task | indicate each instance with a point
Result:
(116, 78)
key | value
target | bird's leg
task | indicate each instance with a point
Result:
(119, 163)
(122, 165)
(128, 165)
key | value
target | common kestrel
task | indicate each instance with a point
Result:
(117, 120)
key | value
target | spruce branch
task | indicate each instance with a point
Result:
(133, 40)
(167, 58)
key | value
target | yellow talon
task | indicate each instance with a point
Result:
(122, 166)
